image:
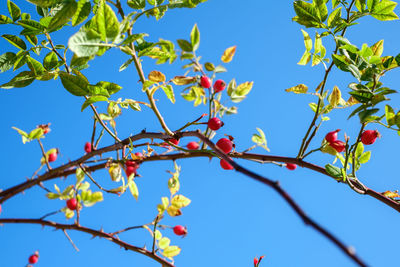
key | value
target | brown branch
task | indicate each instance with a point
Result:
(93, 232)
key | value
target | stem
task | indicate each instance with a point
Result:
(44, 155)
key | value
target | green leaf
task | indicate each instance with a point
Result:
(382, 10)
(24, 135)
(359, 150)
(35, 66)
(83, 44)
(333, 171)
(390, 115)
(209, 66)
(106, 22)
(361, 5)
(133, 189)
(298, 89)
(82, 12)
(14, 10)
(63, 16)
(305, 58)
(365, 157)
(307, 40)
(185, 45)
(322, 9)
(260, 139)
(195, 37)
(23, 79)
(51, 195)
(5, 20)
(335, 3)
(93, 99)
(307, 14)
(76, 85)
(364, 115)
(32, 25)
(219, 69)
(36, 133)
(111, 88)
(50, 61)
(15, 41)
(244, 88)
(126, 64)
(334, 17)
(44, 3)
(7, 61)
(137, 4)
(169, 92)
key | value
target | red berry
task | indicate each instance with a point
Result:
(129, 170)
(52, 157)
(225, 165)
(338, 145)
(0, 209)
(88, 147)
(72, 203)
(368, 137)
(180, 230)
(192, 146)
(173, 141)
(205, 82)
(33, 259)
(219, 85)
(331, 136)
(138, 154)
(45, 131)
(291, 166)
(225, 145)
(255, 262)
(215, 123)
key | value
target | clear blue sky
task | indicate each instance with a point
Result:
(231, 219)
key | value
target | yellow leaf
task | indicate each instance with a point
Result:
(183, 80)
(377, 48)
(156, 76)
(115, 172)
(164, 243)
(171, 251)
(298, 89)
(335, 97)
(391, 194)
(180, 201)
(174, 211)
(228, 54)
(134, 190)
(351, 101)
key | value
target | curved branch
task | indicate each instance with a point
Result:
(93, 232)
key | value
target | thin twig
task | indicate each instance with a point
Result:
(70, 240)
(44, 155)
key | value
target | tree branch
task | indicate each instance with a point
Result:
(93, 232)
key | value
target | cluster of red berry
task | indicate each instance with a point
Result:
(368, 137)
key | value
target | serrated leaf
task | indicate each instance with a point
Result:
(63, 15)
(298, 89)
(106, 22)
(228, 54)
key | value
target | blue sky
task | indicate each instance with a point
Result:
(231, 218)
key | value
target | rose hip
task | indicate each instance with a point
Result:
(205, 82)
(33, 259)
(219, 86)
(338, 145)
(72, 203)
(368, 137)
(180, 230)
(225, 165)
(192, 146)
(225, 145)
(331, 136)
(88, 147)
(215, 123)
(291, 166)
(52, 157)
